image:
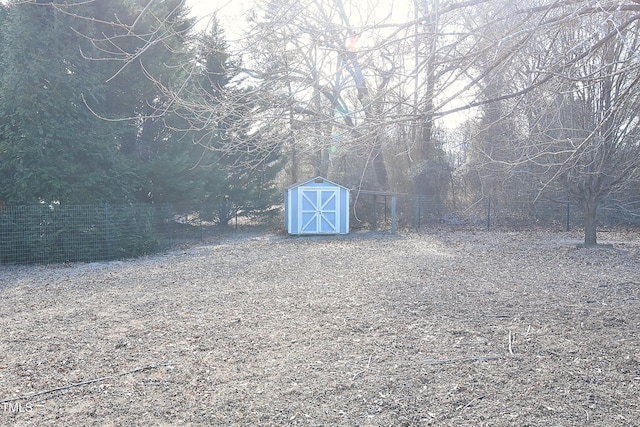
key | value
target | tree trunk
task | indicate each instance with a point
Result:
(322, 168)
(590, 209)
(293, 172)
(382, 176)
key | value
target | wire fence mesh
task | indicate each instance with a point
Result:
(56, 234)
(415, 212)
(53, 234)
(48, 234)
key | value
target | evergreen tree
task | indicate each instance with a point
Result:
(238, 172)
(89, 112)
(148, 45)
(52, 148)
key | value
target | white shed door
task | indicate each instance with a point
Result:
(319, 210)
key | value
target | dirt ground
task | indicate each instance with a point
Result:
(441, 328)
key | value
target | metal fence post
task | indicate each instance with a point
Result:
(169, 220)
(385, 210)
(393, 214)
(108, 237)
(489, 214)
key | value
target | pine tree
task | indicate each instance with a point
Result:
(89, 113)
(241, 169)
(148, 60)
(52, 148)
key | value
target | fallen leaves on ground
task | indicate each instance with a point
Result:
(443, 328)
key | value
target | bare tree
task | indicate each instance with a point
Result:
(306, 60)
(556, 81)
(575, 101)
(600, 126)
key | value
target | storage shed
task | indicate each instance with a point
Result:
(316, 206)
